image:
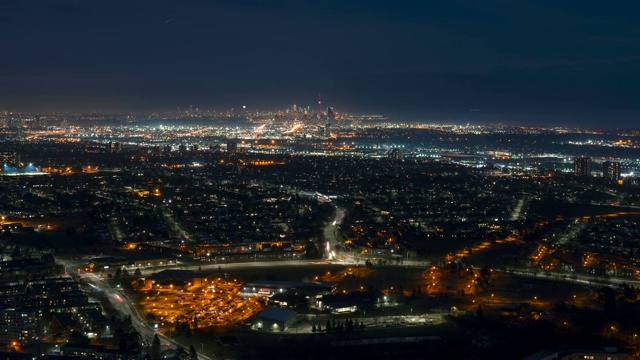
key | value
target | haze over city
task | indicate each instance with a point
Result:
(533, 63)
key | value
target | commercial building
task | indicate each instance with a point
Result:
(175, 279)
(96, 352)
(267, 288)
(274, 319)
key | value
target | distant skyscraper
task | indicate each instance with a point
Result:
(10, 157)
(395, 154)
(4, 120)
(331, 115)
(582, 166)
(114, 147)
(611, 170)
(232, 146)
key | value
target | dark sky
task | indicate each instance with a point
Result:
(546, 62)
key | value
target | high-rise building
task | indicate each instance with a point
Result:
(232, 146)
(395, 154)
(582, 166)
(114, 147)
(611, 170)
(10, 157)
(20, 326)
(331, 115)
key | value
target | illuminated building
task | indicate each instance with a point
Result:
(114, 147)
(395, 154)
(19, 326)
(274, 319)
(611, 170)
(9, 157)
(582, 166)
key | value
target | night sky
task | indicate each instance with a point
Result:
(534, 62)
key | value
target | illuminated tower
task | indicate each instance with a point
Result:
(319, 107)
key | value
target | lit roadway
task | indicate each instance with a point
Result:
(121, 302)
(330, 232)
(573, 277)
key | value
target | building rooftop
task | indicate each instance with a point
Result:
(277, 314)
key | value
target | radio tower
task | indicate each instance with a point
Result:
(319, 106)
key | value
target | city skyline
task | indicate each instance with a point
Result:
(533, 64)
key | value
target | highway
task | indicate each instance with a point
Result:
(574, 278)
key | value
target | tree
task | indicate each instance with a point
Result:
(16, 253)
(629, 292)
(313, 328)
(193, 354)
(137, 273)
(186, 328)
(48, 259)
(70, 231)
(151, 317)
(181, 353)
(480, 313)
(155, 347)
(609, 298)
(328, 325)
(77, 337)
(117, 274)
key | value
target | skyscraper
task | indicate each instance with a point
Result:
(395, 154)
(611, 170)
(232, 147)
(582, 166)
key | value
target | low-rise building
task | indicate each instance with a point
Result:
(274, 319)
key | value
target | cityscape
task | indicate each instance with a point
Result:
(283, 179)
(124, 237)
